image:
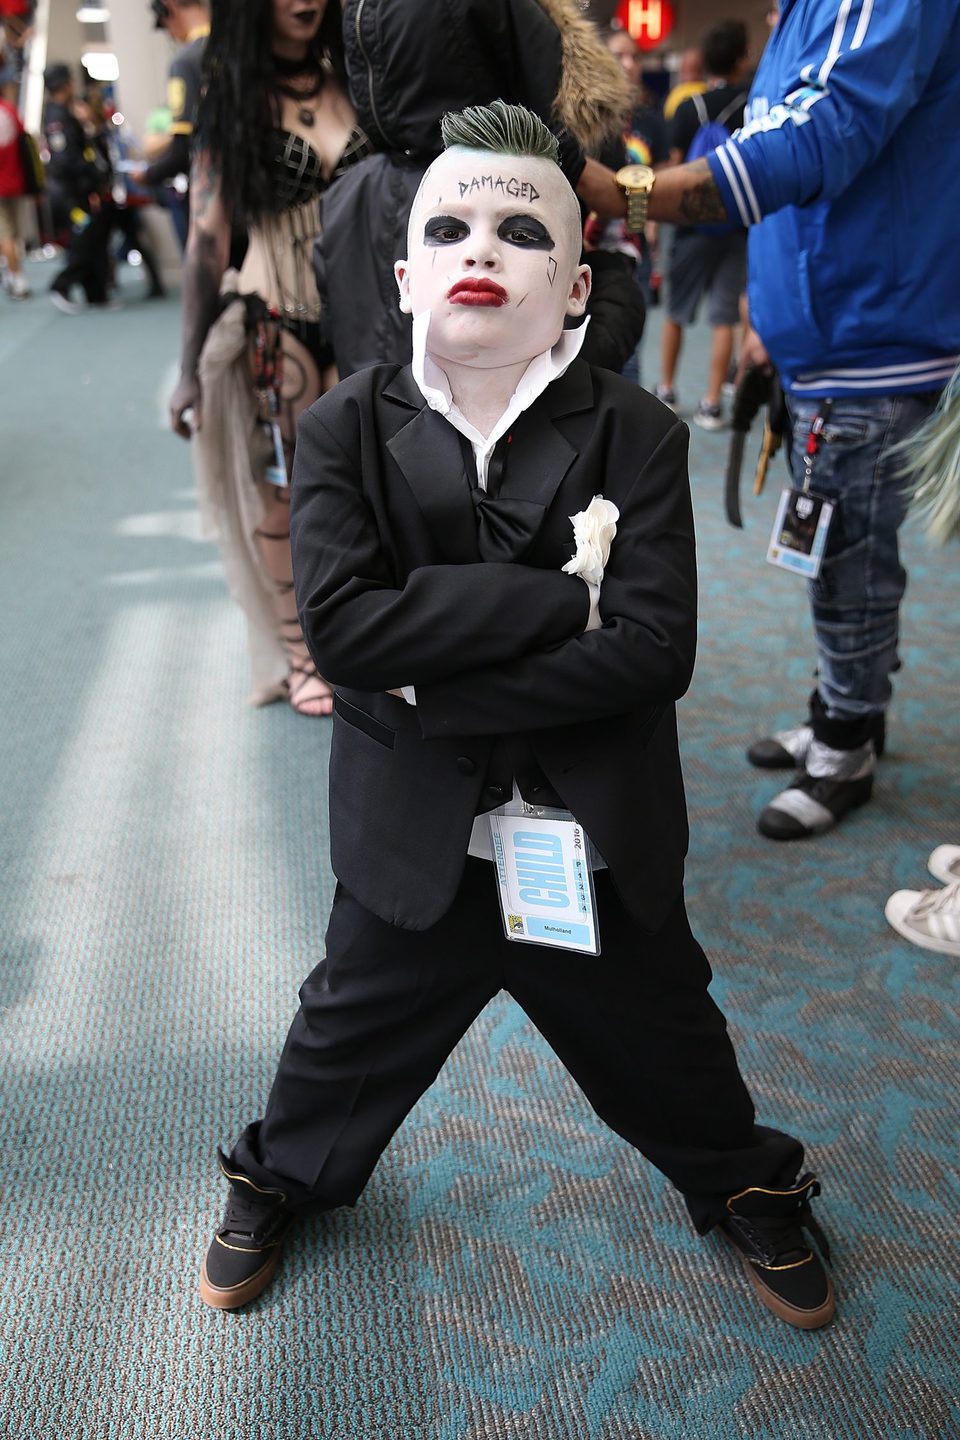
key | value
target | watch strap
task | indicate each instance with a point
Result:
(637, 210)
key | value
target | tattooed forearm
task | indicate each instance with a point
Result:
(204, 186)
(700, 203)
(202, 273)
(208, 250)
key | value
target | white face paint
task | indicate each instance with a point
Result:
(493, 254)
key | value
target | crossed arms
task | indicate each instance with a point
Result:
(495, 648)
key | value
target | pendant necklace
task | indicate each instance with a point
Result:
(299, 94)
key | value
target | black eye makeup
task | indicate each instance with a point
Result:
(444, 230)
(525, 231)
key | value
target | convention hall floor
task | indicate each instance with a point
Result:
(514, 1270)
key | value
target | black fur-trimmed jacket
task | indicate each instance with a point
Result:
(410, 61)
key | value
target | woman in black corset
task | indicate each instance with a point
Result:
(275, 127)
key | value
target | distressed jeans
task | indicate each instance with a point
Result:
(855, 601)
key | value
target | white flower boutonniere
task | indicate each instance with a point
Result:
(593, 532)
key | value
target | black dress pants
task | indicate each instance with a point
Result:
(635, 1027)
(87, 262)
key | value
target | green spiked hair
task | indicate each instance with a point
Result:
(504, 129)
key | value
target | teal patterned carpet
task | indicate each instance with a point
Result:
(514, 1271)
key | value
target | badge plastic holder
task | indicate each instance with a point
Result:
(798, 540)
(543, 861)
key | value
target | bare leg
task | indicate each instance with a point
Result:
(671, 339)
(721, 350)
(16, 280)
(308, 692)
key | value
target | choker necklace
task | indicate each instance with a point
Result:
(308, 66)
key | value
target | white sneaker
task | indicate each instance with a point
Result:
(944, 864)
(928, 918)
(63, 303)
(17, 286)
(667, 397)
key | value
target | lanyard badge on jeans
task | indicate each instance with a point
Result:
(268, 383)
(799, 537)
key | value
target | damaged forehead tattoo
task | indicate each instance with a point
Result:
(504, 185)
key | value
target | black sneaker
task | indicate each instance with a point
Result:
(812, 805)
(245, 1251)
(787, 749)
(766, 1228)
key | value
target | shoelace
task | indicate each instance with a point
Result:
(248, 1217)
(781, 1238)
(935, 902)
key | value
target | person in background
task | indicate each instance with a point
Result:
(406, 69)
(846, 173)
(12, 188)
(642, 142)
(188, 23)
(690, 81)
(76, 176)
(274, 127)
(121, 207)
(707, 261)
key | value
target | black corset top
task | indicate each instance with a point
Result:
(298, 169)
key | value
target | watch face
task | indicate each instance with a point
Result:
(635, 177)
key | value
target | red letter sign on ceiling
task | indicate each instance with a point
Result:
(648, 21)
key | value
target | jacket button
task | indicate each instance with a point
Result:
(465, 765)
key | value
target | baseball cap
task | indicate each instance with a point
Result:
(160, 13)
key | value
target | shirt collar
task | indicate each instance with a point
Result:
(542, 370)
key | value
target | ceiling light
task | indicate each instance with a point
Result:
(93, 14)
(101, 65)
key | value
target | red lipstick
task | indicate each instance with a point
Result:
(477, 292)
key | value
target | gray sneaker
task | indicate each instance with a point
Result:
(709, 417)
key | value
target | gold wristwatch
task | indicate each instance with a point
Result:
(636, 181)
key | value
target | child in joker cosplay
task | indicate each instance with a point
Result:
(506, 803)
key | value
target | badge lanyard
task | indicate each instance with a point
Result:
(814, 441)
(268, 384)
(799, 537)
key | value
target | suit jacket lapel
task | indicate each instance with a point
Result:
(427, 451)
(540, 454)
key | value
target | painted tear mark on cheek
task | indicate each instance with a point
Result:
(551, 269)
(521, 300)
(433, 259)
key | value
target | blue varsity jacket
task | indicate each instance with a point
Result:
(847, 171)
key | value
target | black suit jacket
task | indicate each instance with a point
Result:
(392, 591)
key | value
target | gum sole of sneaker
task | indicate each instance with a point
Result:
(220, 1299)
(802, 1319)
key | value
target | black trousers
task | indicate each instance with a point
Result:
(635, 1027)
(87, 263)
